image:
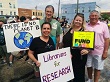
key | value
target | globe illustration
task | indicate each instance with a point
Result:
(23, 40)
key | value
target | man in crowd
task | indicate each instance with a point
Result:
(56, 27)
(5, 55)
(17, 18)
(2, 44)
(97, 56)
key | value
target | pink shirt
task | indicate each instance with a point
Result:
(101, 32)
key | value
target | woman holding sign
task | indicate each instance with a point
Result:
(79, 56)
(41, 44)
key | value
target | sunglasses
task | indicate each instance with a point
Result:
(80, 14)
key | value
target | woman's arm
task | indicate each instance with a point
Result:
(31, 56)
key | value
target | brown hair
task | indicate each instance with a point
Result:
(49, 6)
(46, 23)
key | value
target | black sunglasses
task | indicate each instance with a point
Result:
(80, 14)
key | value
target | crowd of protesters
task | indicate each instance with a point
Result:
(60, 34)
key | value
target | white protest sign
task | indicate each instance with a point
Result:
(18, 36)
(56, 66)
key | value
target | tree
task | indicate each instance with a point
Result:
(105, 16)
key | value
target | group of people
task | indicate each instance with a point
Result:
(80, 57)
(50, 40)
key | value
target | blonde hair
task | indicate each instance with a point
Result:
(82, 16)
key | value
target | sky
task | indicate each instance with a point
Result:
(41, 4)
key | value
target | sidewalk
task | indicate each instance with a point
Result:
(22, 71)
(105, 73)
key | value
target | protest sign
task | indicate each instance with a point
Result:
(83, 39)
(56, 66)
(18, 36)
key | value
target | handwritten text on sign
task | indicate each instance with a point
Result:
(18, 36)
(56, 66)
(83, 39)
(21, 26)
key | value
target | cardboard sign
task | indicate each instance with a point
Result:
(56, 66)
(83, 39)
(18, 36)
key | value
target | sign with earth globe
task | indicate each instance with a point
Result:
(23, 40)
(18, 36)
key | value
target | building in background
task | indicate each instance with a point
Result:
(68, 11)
(105, 12)
(24, 12)
(30, 13)
(37, 13)
(8, 7)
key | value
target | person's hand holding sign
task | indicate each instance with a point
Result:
(84, 52)
(38, 63)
